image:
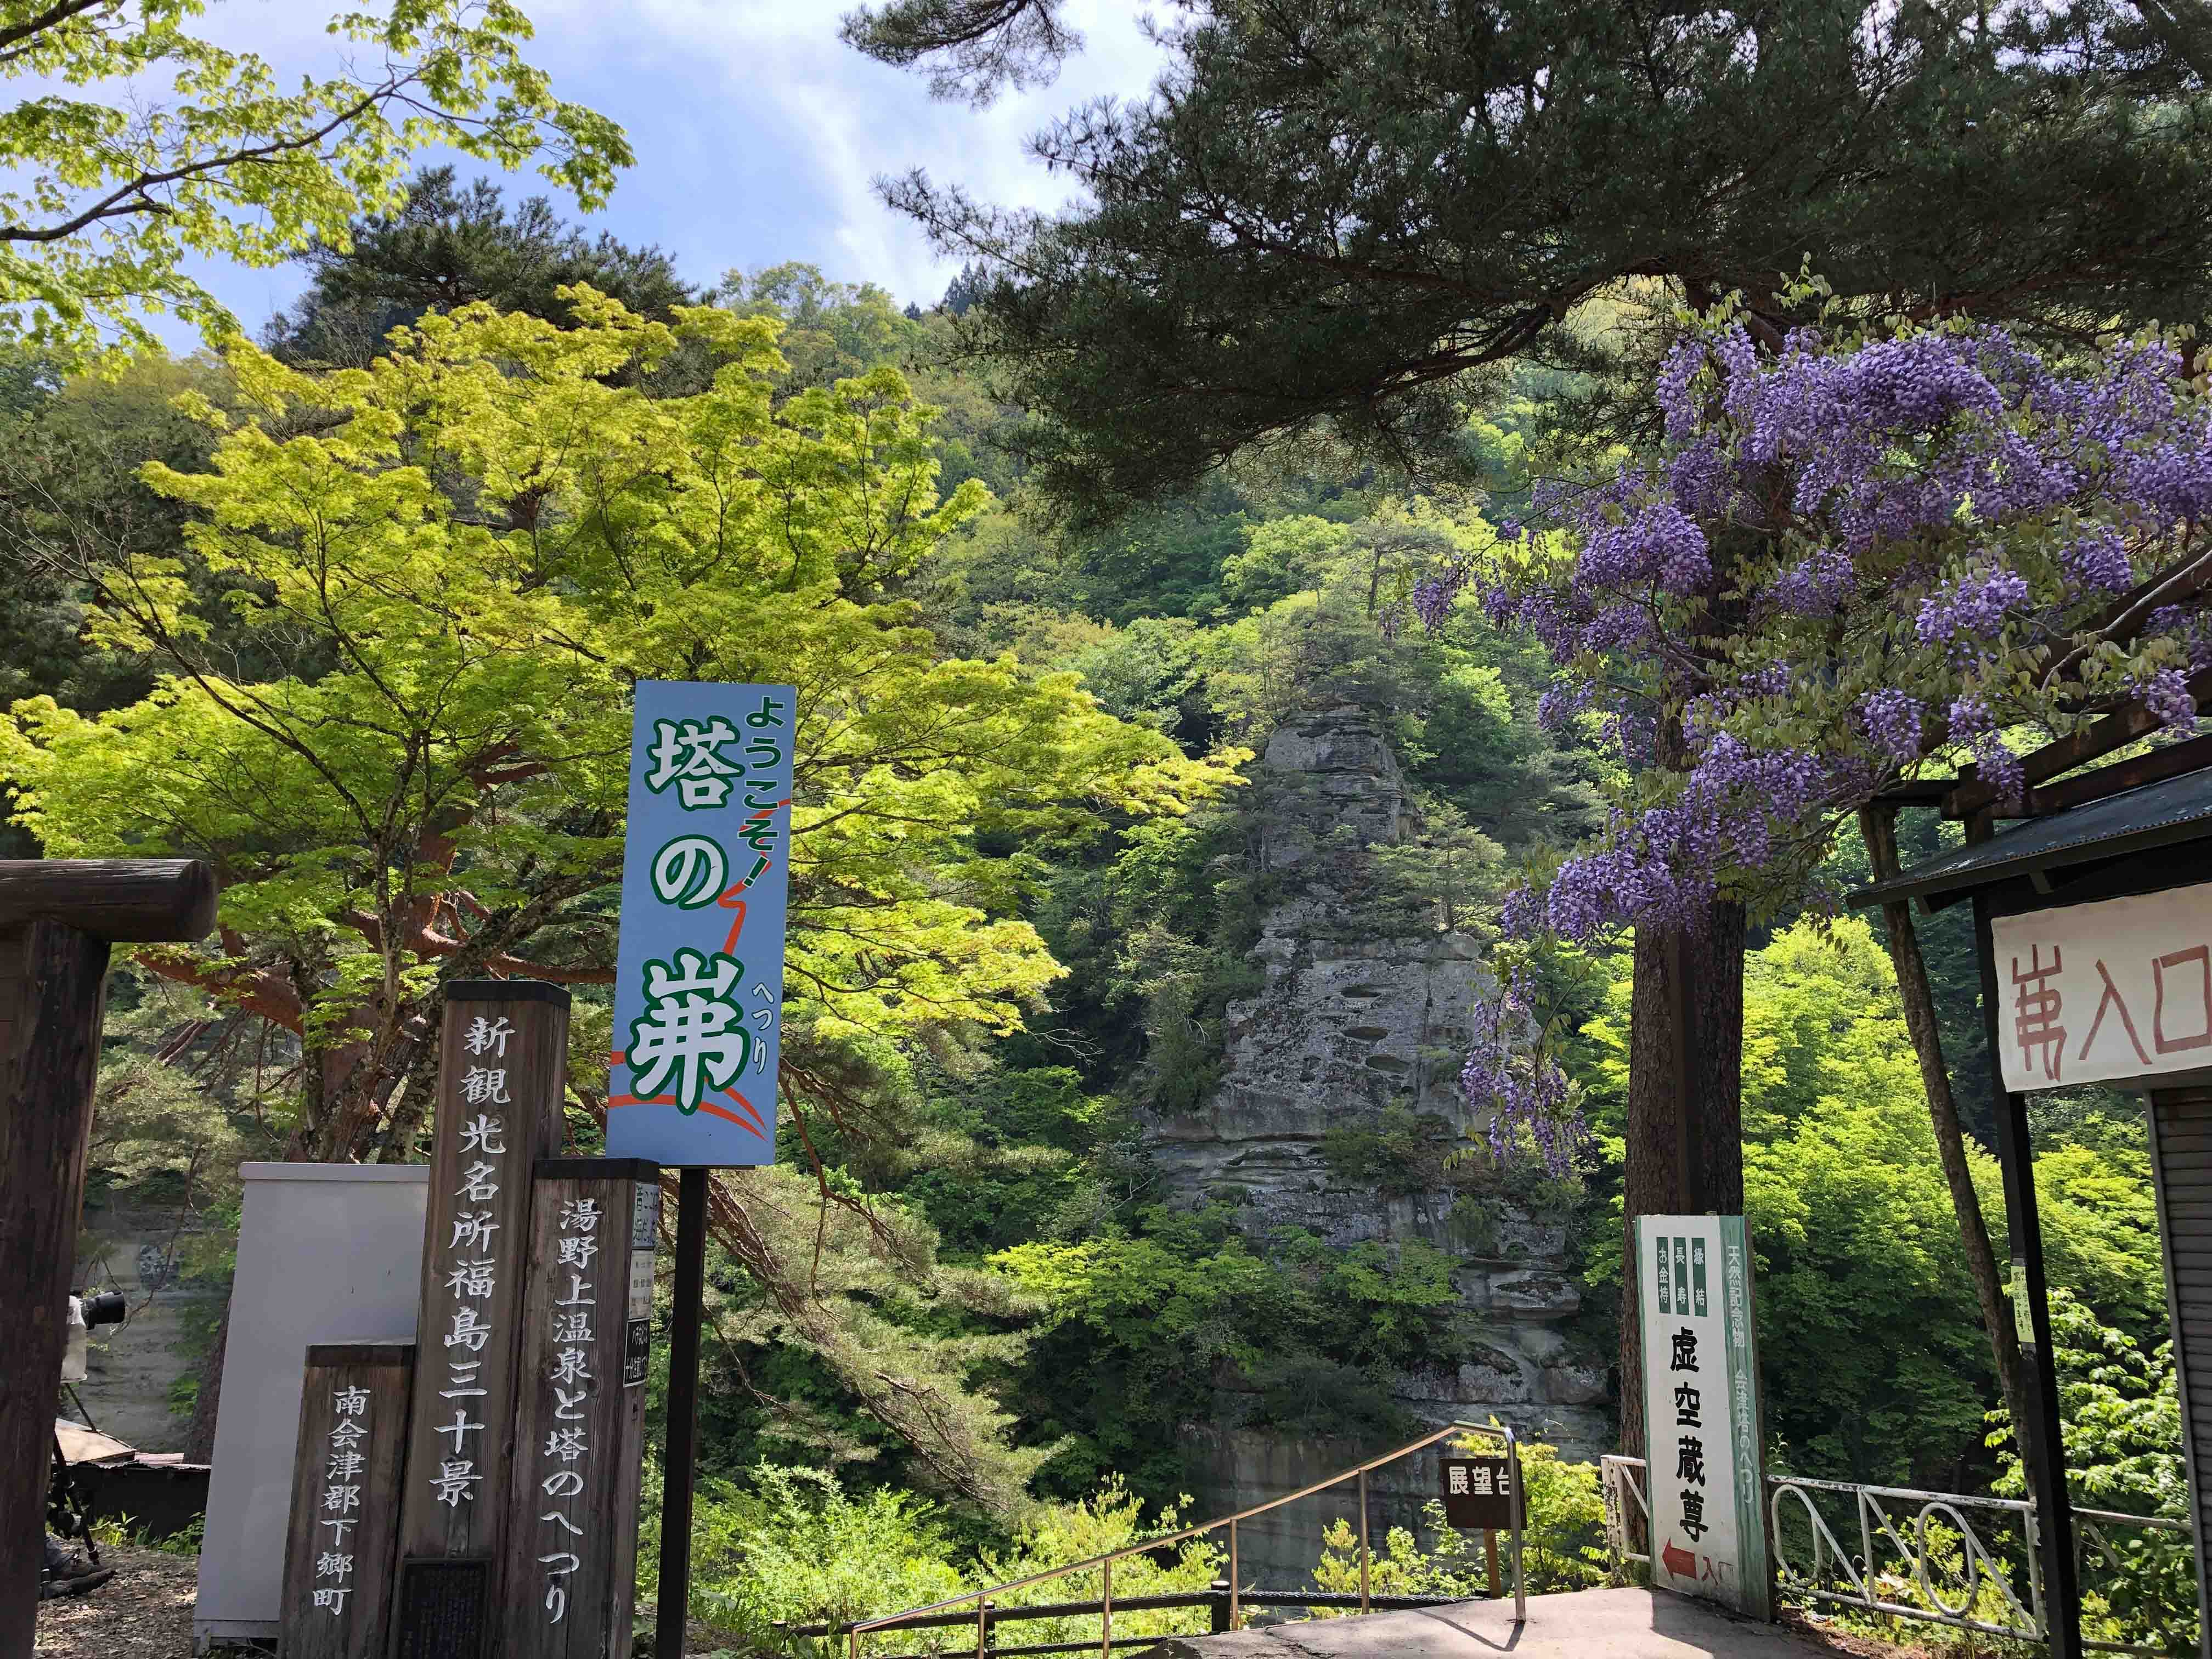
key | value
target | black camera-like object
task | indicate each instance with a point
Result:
(109, 1308)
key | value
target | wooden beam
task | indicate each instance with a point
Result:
(2077, 748)
(1915, 791)
(2158, 764)
(146, 900)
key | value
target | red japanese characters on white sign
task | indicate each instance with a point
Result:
(2106, 992)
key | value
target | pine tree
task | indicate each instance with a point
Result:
(447, 247)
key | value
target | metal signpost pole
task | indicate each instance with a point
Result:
(2038, 1437)
(683, 1413)
(1520, 1580)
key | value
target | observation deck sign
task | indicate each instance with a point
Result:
(706, 879)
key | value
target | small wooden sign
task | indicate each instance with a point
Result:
(339, 1552)
(502, 1067)
(572, 1552)
(1478, 1493)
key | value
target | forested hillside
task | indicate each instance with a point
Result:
(972, 1318)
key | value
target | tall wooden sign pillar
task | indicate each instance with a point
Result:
(57, 918)
(572, 1553)
(501, 1067)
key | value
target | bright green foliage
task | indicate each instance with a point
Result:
(832, 331)
(2120, 1413)
(1137, 1331)
(1874, 1362)
(114, 191)
(1107, 1520)
(794, 1546)
(480, 557)
(1563, 1539)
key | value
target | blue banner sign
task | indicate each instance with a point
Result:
(706, 881)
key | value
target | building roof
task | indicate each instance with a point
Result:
(2176, 809)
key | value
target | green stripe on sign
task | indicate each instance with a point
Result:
(1738, 1325)
(1697, 1275)
(1666, 1284)
(1682, 1275)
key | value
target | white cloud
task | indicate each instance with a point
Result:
(831, 121)
(758, 133)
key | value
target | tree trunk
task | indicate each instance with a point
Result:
(199, 1436)
(1684, 1101)
(1878, 826)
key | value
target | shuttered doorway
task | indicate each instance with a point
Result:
(2181, 1157)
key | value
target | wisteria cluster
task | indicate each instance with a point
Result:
(1527, 1091)
(1840, 540)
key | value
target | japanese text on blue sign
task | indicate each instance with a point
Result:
(706, 876)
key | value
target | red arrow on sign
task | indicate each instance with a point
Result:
(1679, 1561)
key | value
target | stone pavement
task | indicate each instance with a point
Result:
(1599, 1624)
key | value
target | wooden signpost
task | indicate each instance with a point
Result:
(340, 1552)
(57, 918)
(572, 1546)
(1478, 1494)
(502, 1066)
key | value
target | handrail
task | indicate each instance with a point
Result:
(1358, 1472)
(1860, 1577)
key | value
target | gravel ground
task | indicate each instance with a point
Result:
(144, 1612)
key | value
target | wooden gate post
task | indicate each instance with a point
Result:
(57, 918)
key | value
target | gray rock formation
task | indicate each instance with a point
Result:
(1350, 1022)
(131, 1367)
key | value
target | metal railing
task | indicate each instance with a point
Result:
(1975, 1568)
(943, 1615)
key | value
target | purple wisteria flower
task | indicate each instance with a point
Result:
(1942, 515)
(1891, 719)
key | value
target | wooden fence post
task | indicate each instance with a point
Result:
(572, 1546)
(501, 1067)
(342, 1550)
(57, 918)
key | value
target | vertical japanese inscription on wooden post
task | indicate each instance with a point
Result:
(339, 1555)
(501, 1072)
(572, 1554)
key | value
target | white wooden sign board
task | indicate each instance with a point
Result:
(1701, 1421)
(2105, 993)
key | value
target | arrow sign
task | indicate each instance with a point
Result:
(1679, 1561)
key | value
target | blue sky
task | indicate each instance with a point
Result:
(757, 130)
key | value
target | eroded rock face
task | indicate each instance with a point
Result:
(131, 1367)
(1352, 1022)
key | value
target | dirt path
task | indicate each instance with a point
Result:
(144, 1612)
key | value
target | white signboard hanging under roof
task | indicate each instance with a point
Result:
(2105, 993)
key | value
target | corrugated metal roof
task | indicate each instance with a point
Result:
(2150, 815)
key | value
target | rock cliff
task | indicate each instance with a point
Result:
(1355, 1019)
